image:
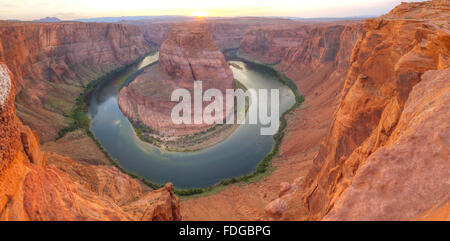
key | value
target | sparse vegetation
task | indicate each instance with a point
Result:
(236, 66)
(80, 120)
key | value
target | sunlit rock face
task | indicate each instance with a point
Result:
(405, 179)
(187, 55)
(46, 186)
(372, 91)
(52, 62)
(358, 173)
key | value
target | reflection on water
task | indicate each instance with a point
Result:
(148, 60)
(238, 155)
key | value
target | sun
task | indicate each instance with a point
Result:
(200, 14)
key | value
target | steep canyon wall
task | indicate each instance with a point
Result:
(38, 61)
(52, 62)
(372, 164)
(372, 94)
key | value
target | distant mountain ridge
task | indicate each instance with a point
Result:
(48, 20)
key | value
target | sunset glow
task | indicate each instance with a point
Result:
(73, 9)
(200, 14)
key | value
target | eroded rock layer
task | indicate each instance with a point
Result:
(52, 62)
(372, 165)
(405, 179)
(187, 55)
(40, 186)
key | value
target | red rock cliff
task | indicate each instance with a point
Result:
(40, 186)
(386, 154)
(316, 57)
(372, 165)
(54, 61)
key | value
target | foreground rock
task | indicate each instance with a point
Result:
(39, 186)
(372, 165)
(187, 55)
(406, 178)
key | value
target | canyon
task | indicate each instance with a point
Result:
(378, 88)
(187, 55)
(55, 61)
(36, 185)
(370, 141)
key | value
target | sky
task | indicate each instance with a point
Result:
(73, 9)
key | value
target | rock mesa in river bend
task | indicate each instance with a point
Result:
(188, 54)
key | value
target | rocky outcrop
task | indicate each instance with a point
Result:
(405, 179)
(159, 205)
(56, 60)
(187, 55)
(277, 208)
(376, 161)
(39, 186)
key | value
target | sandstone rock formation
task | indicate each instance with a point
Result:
(41, 186)
(268, 45)
(54, 61)
(187, 55)
(387, 63)
(372, 165)
(406, 178)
